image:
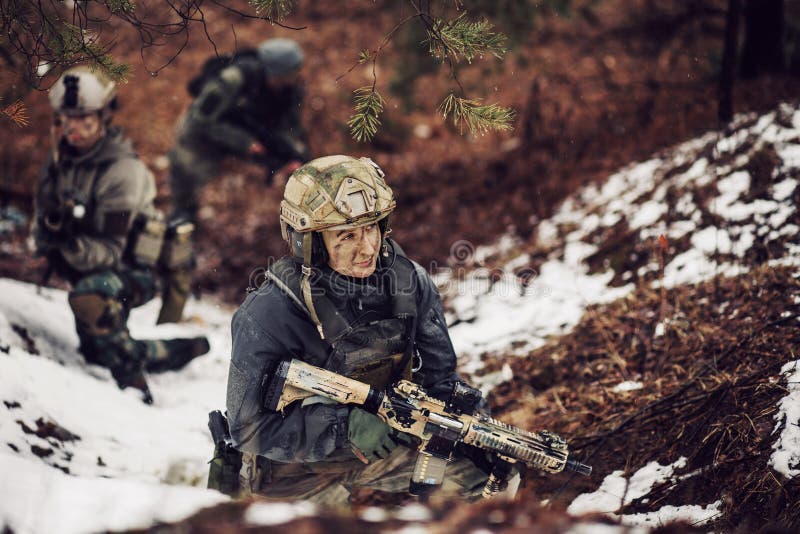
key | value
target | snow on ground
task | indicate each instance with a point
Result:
(36, 498)
(561, 289)
(786, 456)
(617, 491)
(492, 313)
(131, 462)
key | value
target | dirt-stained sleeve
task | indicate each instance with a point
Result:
(298, 434)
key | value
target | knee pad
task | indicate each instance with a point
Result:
(95, 314)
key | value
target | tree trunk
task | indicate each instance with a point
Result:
(727, 74)
(764, 36)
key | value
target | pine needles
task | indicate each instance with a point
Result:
(461, 38)
(477, 117)
(273, 9)
(451, 41)
(17, 113)
(368, 107)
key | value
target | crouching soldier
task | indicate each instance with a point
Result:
(96, 224)
(247, 107)
(350, 301)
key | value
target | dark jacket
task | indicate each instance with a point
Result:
(270, 326)
(235, 108)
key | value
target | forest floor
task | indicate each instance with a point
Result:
(612, 83)
(604, 85)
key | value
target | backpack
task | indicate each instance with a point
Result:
(213, 66)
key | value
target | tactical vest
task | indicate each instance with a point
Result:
(377, 352)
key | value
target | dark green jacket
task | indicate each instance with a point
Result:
(236, 108)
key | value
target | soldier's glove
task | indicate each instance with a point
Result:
(373, 438)
(131, 374)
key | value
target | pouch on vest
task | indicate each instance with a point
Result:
(177, 250)
(146, 240)
(224, 467)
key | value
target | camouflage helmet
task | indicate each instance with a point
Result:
(335, 192)
(80, 90)
(331, 193)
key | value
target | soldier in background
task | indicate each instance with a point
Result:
(247, 106)
(96, 224)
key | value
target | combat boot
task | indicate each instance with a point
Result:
(174, 354)
(133, 376)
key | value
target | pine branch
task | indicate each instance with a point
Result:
(477, 117)
(368, 107)
(17, 113)
(461, 38)
(73, 44)
(273, 9)
(117, 72)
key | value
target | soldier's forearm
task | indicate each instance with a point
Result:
(88, 253)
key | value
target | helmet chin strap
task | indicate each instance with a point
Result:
(305, 283)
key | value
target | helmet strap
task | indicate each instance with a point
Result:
(386, 230)
(305, 283)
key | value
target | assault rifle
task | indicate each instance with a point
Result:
(439, 425)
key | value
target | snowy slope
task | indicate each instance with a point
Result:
(130, 462)
(725, 204)
(130, 465)
(701, 195)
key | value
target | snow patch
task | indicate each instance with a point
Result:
(628, 385)
(692, 513)
(277, 513)
(36, 498)
(616, 491)
(786, 456)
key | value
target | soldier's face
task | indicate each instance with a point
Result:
(81, 131)
(353, 251)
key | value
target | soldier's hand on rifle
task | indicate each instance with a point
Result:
(370, 436)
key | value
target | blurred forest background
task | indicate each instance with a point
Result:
(595, 84)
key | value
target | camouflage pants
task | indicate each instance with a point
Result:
(101, 303)
(391, 475)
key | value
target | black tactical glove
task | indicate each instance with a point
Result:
(131, 374)
(370, 435)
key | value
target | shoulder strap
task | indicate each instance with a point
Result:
(286, 275)
(403, 285)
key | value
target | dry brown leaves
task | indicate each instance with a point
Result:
(709, 394)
